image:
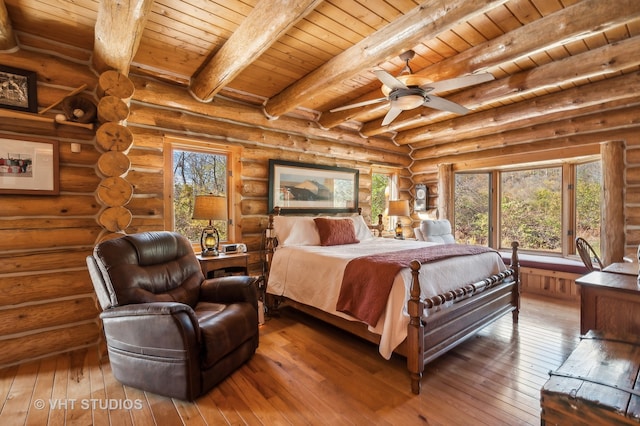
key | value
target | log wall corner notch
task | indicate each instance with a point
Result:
(114, 140)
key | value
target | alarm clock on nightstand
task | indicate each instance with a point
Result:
(234, 248)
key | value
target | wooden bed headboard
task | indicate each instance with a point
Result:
(271, 242)
(376, 229)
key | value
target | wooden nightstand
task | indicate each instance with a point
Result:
(224, 264)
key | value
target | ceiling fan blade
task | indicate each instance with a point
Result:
(388, 80)
(359, 104)
(391, 115)
(457, 83)
(444, 105)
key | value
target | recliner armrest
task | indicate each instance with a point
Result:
(152, 308)
(232, 289)
(157, 324)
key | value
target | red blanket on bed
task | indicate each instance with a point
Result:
(367, 280)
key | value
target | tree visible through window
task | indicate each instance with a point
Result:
(530, 207)
(471, 206)
(379, 194)
(588, 189)
(384, 187)
(197, 173)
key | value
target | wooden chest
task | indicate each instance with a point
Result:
(598, 384)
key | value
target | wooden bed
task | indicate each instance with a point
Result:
(468, 309)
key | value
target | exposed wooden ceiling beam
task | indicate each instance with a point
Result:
(193, 124)
(534, 150)
(608, 59)
(266, 24)
(427, 20)
(506, 117)
(225, 111)
(575, 22)
(118, 31)
(617, 117)
(7, 37)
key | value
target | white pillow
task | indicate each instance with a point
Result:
(296, 231)
(437, 231)
(362, 229)
(302, 230)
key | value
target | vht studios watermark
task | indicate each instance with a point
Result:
(88, 404)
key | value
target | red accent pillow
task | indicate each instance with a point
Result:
(334, 232)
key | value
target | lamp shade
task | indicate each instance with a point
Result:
(398, 208)
(210, 207)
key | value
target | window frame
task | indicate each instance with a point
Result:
(392, 193)
(233, 154)
(563, 208)
(568, 200)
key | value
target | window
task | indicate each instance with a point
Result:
(472, 207)
(380, 184)
(588, 189)
(383, 189)
(531, 209)
(538, 207)
(198, 169)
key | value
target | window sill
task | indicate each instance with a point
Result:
(550, 263)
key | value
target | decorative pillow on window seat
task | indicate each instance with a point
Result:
(335, 232)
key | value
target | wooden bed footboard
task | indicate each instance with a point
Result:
(464, 311)
(472, 308)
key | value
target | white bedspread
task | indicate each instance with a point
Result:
(313, 275)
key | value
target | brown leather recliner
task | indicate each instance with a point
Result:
(169, 330)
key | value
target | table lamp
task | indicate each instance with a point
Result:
(210, 207)
(399, 208)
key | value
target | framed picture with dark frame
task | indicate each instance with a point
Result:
(309, 188)
(29, 166)
(18, 89)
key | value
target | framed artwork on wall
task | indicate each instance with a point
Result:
(29, 166)
(18, 89)
(308, 188)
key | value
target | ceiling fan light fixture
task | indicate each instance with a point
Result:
(409, 91)
(408, 101)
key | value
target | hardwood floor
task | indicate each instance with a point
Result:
(306, 372)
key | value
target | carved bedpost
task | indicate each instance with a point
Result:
(415, 333)
(515, 265)
(270, 244)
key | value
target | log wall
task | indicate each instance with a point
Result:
(46, 298)
(47, 303)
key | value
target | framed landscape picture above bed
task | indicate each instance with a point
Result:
(309, 188)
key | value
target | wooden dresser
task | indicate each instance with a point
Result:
(610, 302)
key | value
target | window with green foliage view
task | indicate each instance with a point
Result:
(530, 207)
(588, 201)
(472, 208)
(379, 192)
(197, 173)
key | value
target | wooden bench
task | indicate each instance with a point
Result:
(549, 275)
(598, 384)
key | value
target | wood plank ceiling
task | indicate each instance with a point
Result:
(305, 57)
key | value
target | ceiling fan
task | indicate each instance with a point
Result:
(409, 91)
